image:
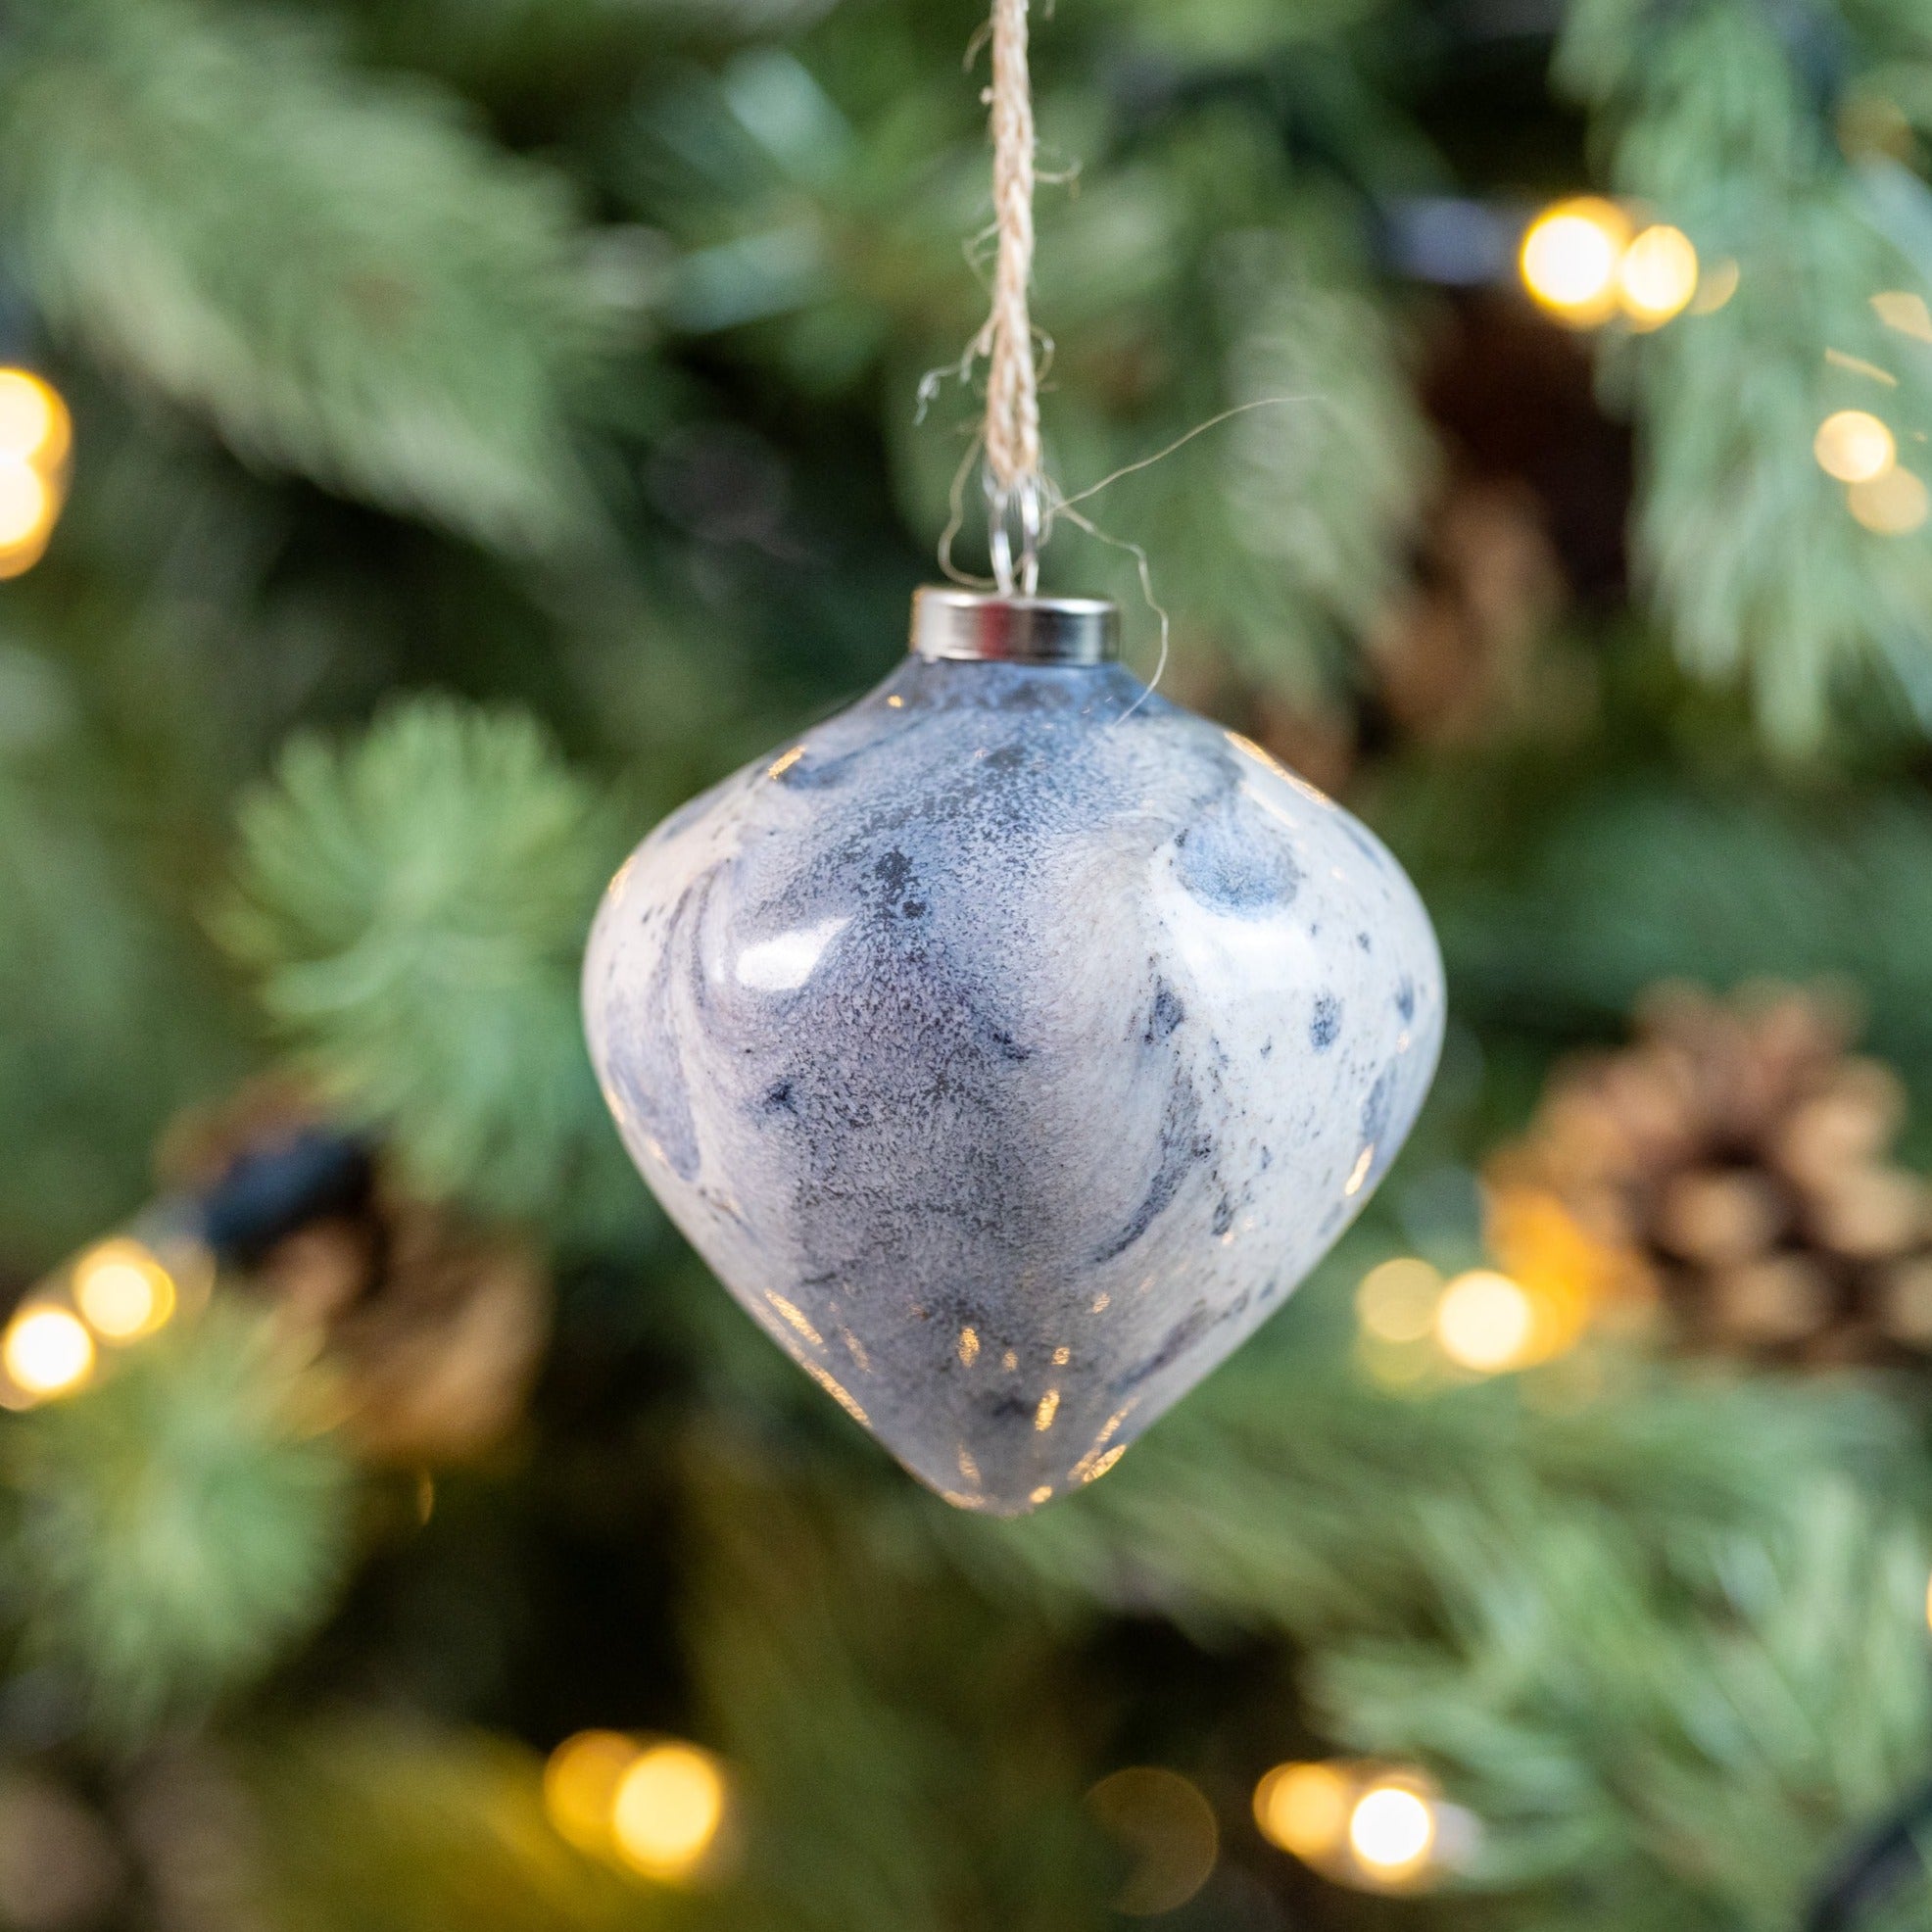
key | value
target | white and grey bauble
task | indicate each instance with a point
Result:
(1012, 1043)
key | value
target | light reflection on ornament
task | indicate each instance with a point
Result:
(123, 1292)
(1570, 257)
(666, 1810)
(1854, 445)
(1485, 1321)
(1658, 276)
(46, 1352)
(1892, 503)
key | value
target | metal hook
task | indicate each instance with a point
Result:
(1023, 503)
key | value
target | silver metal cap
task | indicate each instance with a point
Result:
(958, 626)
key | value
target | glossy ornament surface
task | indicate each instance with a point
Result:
(1012, 1043)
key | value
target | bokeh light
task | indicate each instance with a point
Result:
(666, 1809)
(47, 1351)
(27, 503)
(1892, 503)
(1570, 258)
(1393, 1831)
(1854, 445)
(1905, 310)
(1304, 1809)
(1715, 287)
(123, 1290)
(580, 1786)
(35, 425)
(1485, 1321)
(1397, 1301)
(1658, 276)
(1165, 1829)
(1376, 1826)
(36, 435)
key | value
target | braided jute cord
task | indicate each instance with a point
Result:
(1015, 488)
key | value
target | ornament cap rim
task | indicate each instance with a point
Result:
(953, 625)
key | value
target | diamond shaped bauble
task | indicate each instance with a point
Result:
(1012, 1043)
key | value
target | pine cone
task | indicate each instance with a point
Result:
(434, 1323)
(1729, 1171)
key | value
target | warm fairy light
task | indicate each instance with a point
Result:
(1303, 1808)
(1854, 447)
(1376, 1826)
(47, 1351)
(1893, 505)
(1397, 1301)
(668, 1805)
(35, 435)
(35, 425)
(1393, 1831)
(580, 1786)
(1570, 258)
(1658, 276)
(1485, 1321)
(123, 1290)
(27, 503)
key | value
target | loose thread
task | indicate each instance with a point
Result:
(1147, 572)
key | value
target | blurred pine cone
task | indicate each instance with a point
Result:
(1730, 1171)
(434, 1323)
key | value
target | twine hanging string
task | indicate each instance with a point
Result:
(1020, 498)
(1016, 489)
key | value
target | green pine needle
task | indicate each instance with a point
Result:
(337, 271)
(415, 906)
(177, 1525)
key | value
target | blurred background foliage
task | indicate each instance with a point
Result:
(493, 422)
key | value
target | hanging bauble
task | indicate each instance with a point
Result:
(1013, 1043)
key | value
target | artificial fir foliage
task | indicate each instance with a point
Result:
(495, 424)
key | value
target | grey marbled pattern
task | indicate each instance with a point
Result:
(1011, 1049)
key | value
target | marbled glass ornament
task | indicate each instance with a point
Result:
(1012, 1043)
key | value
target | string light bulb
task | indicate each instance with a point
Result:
(1304, 1809)
(1854, 447)
(1486, 1323)
(1570, 258)
(123, 1292)
(1393, 1831)
(36, 437)
(1379, 1828)
(1658, 276)
(46, 1351)
(580, 1785)
(34, 424)
(666, 1810)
